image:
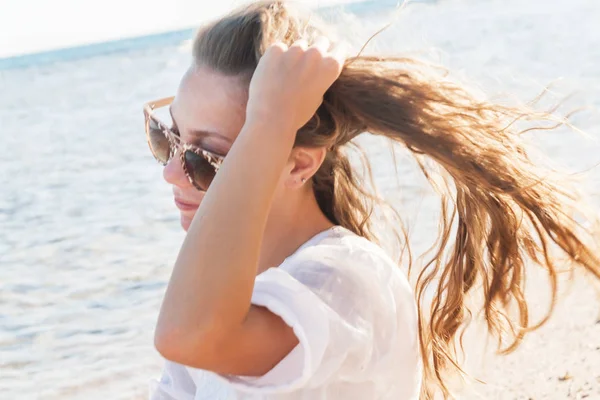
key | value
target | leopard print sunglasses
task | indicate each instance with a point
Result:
(200, 165)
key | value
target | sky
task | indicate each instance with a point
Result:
(29, 26)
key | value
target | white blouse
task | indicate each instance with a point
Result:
(355, 317)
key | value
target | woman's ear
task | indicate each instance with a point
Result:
(304, 163)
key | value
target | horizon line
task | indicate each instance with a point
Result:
(164, 38)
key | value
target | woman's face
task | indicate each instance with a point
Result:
(208, 111)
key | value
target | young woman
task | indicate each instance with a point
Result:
(279, 290)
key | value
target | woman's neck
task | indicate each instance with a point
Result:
(286, 235)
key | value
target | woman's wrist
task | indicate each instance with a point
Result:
(270, 126)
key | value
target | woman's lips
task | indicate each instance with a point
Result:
(183, 206)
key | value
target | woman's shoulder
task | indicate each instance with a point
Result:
(339, 249)
(339, 263)
(350, 306)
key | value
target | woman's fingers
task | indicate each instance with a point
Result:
(339, 52)
(279, 47)
(332, 55)
(300, 44)
(322, 44)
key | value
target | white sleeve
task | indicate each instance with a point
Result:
(175, 383)
(342, 309)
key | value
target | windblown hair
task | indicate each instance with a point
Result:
(502, 213)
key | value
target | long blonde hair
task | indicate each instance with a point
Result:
(501, 212)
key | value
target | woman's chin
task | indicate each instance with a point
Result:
(186, 221)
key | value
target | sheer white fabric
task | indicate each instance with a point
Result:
(354, 315)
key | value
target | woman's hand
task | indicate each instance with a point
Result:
(289, 83)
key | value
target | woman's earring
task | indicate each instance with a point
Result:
(303, 180)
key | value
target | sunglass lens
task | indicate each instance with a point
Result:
(199, 169)
(159, 144)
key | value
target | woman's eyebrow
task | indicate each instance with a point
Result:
(200, 133)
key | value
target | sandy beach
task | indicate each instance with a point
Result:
(561, 360)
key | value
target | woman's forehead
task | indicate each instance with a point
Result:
(210, 102)
(201, 86)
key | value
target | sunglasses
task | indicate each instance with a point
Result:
(200, 165)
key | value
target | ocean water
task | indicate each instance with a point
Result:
(89, 231)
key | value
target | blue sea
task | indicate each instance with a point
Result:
(89, 231)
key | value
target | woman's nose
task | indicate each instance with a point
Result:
(174, 174)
